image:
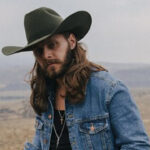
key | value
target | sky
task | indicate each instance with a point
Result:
(120, 30)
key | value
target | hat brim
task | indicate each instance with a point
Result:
(78, 23)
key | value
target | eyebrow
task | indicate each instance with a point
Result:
(49, 40)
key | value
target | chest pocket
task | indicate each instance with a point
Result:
(94, 133)
(94, 125)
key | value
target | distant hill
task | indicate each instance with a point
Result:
(13, 78)
(134, 75)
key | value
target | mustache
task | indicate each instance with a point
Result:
(52, 61)
(47, 62)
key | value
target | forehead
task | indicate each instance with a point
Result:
(55, 37)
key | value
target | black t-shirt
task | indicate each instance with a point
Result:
(64, 143)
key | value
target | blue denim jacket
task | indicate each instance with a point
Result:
(107, 119)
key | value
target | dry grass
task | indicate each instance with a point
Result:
(142, 98)
(16, 130)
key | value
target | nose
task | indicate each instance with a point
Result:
(47, 52)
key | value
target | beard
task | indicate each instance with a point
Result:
(52, 72)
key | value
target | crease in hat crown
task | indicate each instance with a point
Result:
(44, 22)
(42, 26)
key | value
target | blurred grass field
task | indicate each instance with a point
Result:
(16, 129)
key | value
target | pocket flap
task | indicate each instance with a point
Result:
(93, 126)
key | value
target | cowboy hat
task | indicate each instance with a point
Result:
(44, 22)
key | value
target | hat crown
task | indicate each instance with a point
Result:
(41, 22)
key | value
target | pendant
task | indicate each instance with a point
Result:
(61, 120)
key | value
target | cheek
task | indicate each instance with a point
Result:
(61, 56)
(62, 51)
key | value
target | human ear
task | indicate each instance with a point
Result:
(72, 41)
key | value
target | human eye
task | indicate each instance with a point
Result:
(51, 45)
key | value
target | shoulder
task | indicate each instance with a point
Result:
(104, 78)
(104, 81)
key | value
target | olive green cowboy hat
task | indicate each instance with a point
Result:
(44, 22)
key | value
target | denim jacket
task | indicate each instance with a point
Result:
(107, 119)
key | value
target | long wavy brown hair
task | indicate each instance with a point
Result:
(74, 80)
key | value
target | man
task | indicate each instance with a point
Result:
(79, 106)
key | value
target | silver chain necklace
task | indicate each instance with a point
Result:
(59, 136)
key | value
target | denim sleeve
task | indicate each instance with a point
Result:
(126, 123)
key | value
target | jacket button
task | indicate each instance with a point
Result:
(45, 141)
(50, 116)
(92, 128)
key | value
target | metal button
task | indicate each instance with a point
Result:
(92, 128)
(50, 116)
(45, 141)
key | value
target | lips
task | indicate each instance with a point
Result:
(50, 64)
